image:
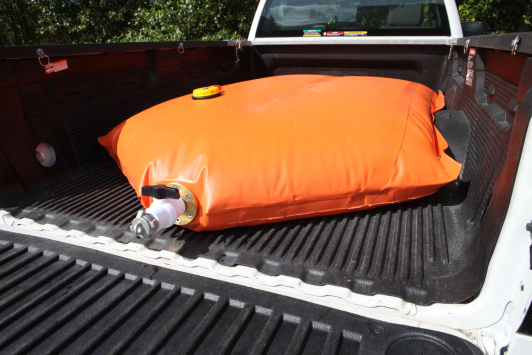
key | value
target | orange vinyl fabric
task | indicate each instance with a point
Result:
(288, 147)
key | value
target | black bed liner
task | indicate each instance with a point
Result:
(435, 249)
(58, 298)
(388, 250)
(423, 251)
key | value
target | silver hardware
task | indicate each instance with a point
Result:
(450, 52)
(45, 154)
(39, 156)
(466, 46)
(144, 224)
(190, 214)
(181, 48)
(238, 47)
(189, 198)
(515, 45)
(41, 54)
(178, 220)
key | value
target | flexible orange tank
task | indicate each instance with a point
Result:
(289, 147)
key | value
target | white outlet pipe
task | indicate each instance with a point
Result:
(166, 211)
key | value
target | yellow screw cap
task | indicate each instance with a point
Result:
(207, 92)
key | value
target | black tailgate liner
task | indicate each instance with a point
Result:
(62, 298)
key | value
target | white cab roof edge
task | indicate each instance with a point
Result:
(419, 40)
(454, 19)
(256, 20)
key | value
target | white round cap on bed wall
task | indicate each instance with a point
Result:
(45, 154)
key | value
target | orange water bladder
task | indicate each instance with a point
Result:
(288, 147)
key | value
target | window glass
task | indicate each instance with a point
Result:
(318, 18)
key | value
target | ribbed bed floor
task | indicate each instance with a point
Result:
(58, 298)
(389, 250)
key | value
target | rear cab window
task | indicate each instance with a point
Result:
(346, 18)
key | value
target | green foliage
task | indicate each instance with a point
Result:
(498, 16)
(372, 17)
(26, 22)
(173, 20)
(17, 22)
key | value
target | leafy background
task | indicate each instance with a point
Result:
(26, 22)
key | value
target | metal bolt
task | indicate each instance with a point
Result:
(178, 221)
(39, 156)
(378, 329)
(189, 198)
(190, 214)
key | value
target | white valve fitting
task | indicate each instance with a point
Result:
(161, 214)
(166, 211)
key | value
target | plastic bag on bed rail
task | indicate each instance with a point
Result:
(288, 147)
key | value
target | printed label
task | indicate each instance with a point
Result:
(470, 75)
(355, 33)
(56, 66)
(334, 33)
(311, 33)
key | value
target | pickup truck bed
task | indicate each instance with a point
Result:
(435, 249)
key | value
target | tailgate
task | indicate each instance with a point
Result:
(57, 297)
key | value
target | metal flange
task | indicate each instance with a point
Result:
(190, 203)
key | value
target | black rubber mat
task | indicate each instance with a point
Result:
(387, 250)
(58, 298)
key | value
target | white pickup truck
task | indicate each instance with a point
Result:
(449, 273)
